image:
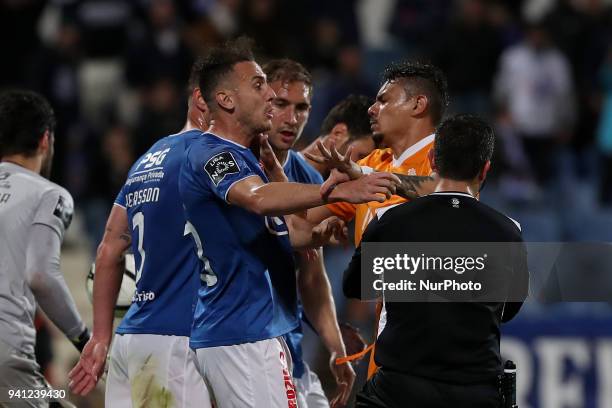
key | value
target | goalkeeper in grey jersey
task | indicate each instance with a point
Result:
(34, 214)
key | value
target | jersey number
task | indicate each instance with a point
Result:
(138, 222)
(207, 276)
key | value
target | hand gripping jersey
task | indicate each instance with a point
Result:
(167, 270)
(414, 161)
(249, 285)
(298, 170)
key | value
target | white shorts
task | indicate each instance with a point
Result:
(249, 375)
(150, 370)
(309, 390)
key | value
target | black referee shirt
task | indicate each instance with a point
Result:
(450, 342)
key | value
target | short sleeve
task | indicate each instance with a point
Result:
(55, 210)
(224, 168)
(120, 200)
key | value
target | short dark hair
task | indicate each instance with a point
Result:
(285, 69)
(427, 79)
(353, 112)
(194, 75)
(463, 144)
(24, 117)
(219, 61)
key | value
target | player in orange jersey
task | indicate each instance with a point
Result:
(409, 105)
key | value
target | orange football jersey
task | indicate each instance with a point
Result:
(414, 161)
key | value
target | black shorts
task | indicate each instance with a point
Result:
(388, 389)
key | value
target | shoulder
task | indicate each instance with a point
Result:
(311, 174)
(509, 225)
(376, 158)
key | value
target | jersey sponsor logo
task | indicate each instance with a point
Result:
(289, 386)
(4, 183)
(63, 212)
(146, 176)
(220, 166)
(144, 195)
(455, 202)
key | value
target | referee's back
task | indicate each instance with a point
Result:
(446, 354)
(454, 342)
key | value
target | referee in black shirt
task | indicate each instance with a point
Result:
(444, 354)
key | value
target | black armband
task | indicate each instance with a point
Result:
(80, 341)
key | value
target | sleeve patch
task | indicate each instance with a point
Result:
(63, 212)
(220, 166)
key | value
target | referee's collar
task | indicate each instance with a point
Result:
(453, 193)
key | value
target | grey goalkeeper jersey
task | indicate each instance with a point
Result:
(27, 200)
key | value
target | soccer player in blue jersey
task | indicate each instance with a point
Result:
(151, 363)
(292, 84)
(248, 300)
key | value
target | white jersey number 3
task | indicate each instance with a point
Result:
(207, 276)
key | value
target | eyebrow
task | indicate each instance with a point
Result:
(257, 76)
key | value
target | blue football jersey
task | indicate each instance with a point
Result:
(249, 290)
(298, 170)
(167, 269)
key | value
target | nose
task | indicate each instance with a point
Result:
(291, 115)
(373, 110)
(270, 94)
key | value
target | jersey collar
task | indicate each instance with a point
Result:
(413, 149)
(226, 140)
(453, 193)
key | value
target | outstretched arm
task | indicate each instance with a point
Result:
(410, 186)
(287, 198)
(107, 281)
(315, 292)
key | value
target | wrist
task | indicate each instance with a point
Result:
(334, 194)
(355, 171)
(82, 339)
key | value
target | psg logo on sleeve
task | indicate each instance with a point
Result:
(220, 166)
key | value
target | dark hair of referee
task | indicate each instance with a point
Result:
(463, 149)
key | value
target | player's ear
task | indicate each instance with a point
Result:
(421, 103)
(485, 169)
(339, 134)
(225, 99)
(197, 100)
(45, 141)
(432, 161)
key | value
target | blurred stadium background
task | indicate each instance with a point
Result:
(540, 70)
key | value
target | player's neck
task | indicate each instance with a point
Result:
(448, 185)
(411, 137)
(33, 163)
(194, 121)
(231, 130)
(281, 155)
